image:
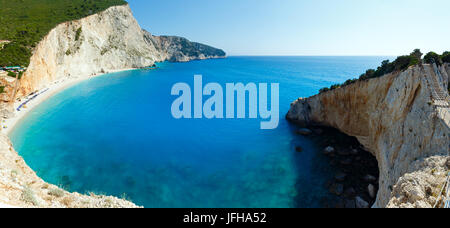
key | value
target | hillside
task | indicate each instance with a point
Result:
(26, 22)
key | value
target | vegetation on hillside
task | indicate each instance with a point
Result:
(26, 22)
(400, 64)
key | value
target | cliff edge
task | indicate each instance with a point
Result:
(403, 119)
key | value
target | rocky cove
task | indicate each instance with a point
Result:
(355, 182)
(108, 41)
(399, 119)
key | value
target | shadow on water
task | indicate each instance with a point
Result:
(333, 180)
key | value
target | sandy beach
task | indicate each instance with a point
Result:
(57, 86)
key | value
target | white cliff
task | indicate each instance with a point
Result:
(103, 42)
(401, 121)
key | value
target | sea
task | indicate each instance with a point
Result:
(115, 135)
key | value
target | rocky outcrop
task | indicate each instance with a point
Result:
(400, 120)
(179, 49)
(110, 40)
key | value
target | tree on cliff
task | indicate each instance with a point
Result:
(445, 57)
(400, 64)
(432, 57)
(417, 54)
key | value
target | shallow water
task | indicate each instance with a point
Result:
(115, 135)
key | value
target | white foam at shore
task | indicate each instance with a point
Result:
(50, 90)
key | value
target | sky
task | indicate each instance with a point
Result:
(302, 27)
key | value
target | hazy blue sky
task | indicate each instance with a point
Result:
(302, 27)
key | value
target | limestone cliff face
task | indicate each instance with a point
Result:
(398, 118)
(109, 40)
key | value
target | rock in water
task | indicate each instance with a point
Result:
(350, 192)
(346, 161)
(354, 152)
(360, 203)
(299, 149)
(318, 131)
(371, 190)
(343, 152)
(350, 204)
(370, 178)
(340, 177)
(337, 189)
(329, 150)
(304, 131)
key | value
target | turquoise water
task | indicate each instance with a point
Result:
(115, 135)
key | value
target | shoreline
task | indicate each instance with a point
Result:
(44, 94)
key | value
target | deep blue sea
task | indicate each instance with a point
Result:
(115, 135)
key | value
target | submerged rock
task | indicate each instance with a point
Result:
(337, 189)
(299, 149)
(318, 131)
(340, 177)
(370, 178)
(304, 131)
(371, 190)
(346, 161)
(350, 192)
(343, 152)
(329, 150)
(360, 203)
(354, 151)
(350, 204)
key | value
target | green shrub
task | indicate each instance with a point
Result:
(14, 54)
(323, 90)
(78, 34)
(56, 192)
(400, 64)
(350, 81)
(445, 57)
(2, 89)
(417, 54)
(403, 62)
(26, 22)
(28, 196)
(335, 86)
(12, 74)
(432, 57)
